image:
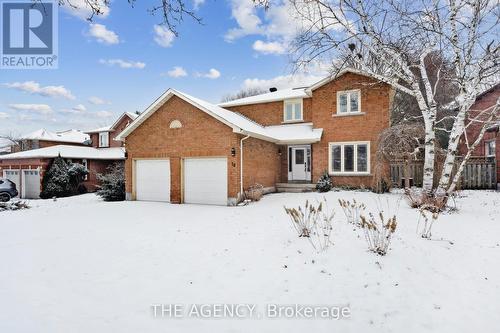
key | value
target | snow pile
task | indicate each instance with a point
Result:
(81, 264)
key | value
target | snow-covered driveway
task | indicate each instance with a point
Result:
(83, 265)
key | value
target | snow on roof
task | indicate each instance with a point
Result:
(73, 136)
(295, 133)
(5, 150)
(239, 123)
(100, 129)
(70, 152)
(278, 95)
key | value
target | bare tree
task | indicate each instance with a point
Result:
(394, 41)
(172, 12)
(243, 93)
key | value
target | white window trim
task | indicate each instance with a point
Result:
(100, 145)
(348, 92)
(293, 101)
(348, 173)
(487, 142)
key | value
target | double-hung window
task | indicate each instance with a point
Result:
(348, 102)
(292, 110)
(104, 139)
(489, 148)
(349, 158)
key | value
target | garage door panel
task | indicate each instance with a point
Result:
(152, 180)
(31, 184)
(205, 181)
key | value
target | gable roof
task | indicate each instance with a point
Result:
(239, 123)
(330, 78)
(70, 136)
(111, 128)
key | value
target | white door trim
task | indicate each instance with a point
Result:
(306, 174)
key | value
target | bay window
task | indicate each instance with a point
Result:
(349, 158)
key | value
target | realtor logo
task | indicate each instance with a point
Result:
(28, 34)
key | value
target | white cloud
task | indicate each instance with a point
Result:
(123, 63)
(33, 87)
(97, 100)
(197, 4)
(163, 36)
(78, 109)
(177, 71)
(281, 82)
(212, 74)
(81, 8)
(37, 108)
(245, 14)
(104, 114)
(4, 115)
(102, 34)
(269, 47)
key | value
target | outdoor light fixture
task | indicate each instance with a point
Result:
(279, 151)
(233, 151)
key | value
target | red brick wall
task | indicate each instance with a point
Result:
(201, 135)
(261, 163)
(270, 113)
(375, 104)
(482, 103)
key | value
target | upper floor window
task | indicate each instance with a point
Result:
(293, 110)
(348, 101)
(489, 148)
(104, 139)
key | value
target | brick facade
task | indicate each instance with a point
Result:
(118, 128)
(154, 139)
(483, 102)
(265, 163)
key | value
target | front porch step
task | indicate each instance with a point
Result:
(295, 187)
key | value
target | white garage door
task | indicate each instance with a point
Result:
(14, 176)
(31, 184)
(152, 180)
(205, 181)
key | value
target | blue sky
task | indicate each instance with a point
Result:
(124, 61)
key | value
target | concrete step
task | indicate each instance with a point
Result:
(295, 187)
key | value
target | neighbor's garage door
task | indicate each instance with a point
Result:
(205, 181)
(31, 184)
(152, 180)
(14, 176)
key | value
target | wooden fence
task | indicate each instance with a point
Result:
(478, 173)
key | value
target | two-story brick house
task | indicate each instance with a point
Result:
(96, 150)
(185, 150)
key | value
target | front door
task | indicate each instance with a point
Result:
(299, 163)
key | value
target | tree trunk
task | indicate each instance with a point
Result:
(430, 153)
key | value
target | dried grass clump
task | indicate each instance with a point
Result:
(314, 223)
(352, 210)
(378, 232)
(255, 192)
(417, 198)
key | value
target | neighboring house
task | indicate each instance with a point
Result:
(490, 144)
(26, 168)
(43, 138)
(182, 149)
(104, 137)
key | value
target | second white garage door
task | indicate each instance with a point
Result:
(152, 180)
(205, 181)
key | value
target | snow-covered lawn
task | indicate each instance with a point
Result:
(83, 265)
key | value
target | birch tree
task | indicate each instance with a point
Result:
(392, 41)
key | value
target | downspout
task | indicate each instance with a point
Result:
(241, 164)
